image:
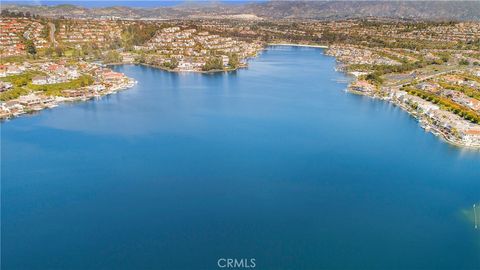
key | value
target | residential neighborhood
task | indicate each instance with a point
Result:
(14, 32)
(429, 69)
(191, 49)
(45, 85)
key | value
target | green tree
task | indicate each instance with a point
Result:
(174, 63)
(112, 57)
(49, 51)
(59, 51)
(30, 46)
(374, 78)
(233, 60)
(115, 43)
(137, 34)
(444, 56)
(140, 58)
(198, 47)
(213, 63)
(45, 32)
(127, 40)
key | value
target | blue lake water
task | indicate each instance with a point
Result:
(275, 162)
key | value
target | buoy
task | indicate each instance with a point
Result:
(475, 216)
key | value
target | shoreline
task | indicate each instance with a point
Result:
(421, 119)
(241, 66)
(183, 71)
(59, 100)
(432, 128)
(298, 45)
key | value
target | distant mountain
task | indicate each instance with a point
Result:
(328, 10)
(422, 10)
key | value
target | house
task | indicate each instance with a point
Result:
(452, 79)
(4, 86)
(471, 136)
(3, 107)
(96, 87)
(427, 86)
(362, 86)
(73, 93)
(427, 107)
(127, 57)
(3, 71)
(72, 74)
(40, 80)
(29, 100)
(112, 76)
(225, 60)
(184, 65)
(474, 104)
(13, 106)
(13, 70)
(47, 99)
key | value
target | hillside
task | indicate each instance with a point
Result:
(327, 10)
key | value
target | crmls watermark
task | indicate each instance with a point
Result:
(236, 263)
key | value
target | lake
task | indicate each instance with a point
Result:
(275, 163)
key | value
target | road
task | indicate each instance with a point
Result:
(430, 76)
(52, 33)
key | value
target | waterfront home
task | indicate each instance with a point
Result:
(4, 111)
(13, 106)
(112, 77)
(471, 136)
(127, 57)
(3, 106)
(225, 60)
(427, 107)
(29, 100)
(96, 87)
(47, 99)
(185, 65)
(73, 93)
(362, 86)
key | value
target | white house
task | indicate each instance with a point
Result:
(96, 87)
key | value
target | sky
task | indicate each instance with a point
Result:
(148, 3)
